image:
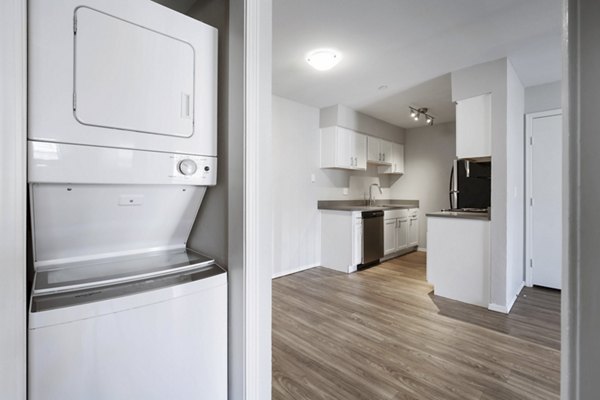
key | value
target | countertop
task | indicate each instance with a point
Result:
(359, 205)
(484, 216)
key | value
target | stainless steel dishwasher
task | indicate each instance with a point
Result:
(372, 237)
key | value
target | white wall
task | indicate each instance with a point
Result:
(543, 97)
(507, 221)
(474, 81)
(296, 221)
(12, 199)
(428, 155)
(296, 156)
(515, 173)
(346, 117)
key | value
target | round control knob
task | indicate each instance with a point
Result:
(207, 168)
(187, 167)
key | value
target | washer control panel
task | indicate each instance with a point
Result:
(194, 170)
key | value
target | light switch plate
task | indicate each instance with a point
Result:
(313, 178)
(345, 191)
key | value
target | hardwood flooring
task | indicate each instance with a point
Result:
(380, 334)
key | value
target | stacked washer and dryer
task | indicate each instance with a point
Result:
(122, 147)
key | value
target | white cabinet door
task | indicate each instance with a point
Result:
(402, 234)
(398, 158)
(474, 127)
(373, 152)
(359, 150)
(385, 148)
(343, 148)
(389, 236)
(413, 231)
(344, 157)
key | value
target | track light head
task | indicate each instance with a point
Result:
(415, 113)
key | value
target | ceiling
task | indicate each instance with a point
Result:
(408, 48)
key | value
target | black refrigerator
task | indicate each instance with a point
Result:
(470, 184)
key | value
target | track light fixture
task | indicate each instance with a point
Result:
(416, 113)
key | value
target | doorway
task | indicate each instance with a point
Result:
(544, 199)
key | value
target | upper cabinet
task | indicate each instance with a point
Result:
(474, 127)
(396, 158)
(379, 151)
(343, 148)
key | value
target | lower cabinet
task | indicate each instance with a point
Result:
(413, 228)
(400, 230)
(390, 227)
(341, 240)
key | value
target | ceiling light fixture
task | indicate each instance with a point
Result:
(323, 59)
(416, 113)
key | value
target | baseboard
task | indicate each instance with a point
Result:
(497, 308)
(514, 299)
(423, 249)
(511, 303)
(295, 270)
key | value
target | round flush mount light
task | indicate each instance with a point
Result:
(323, 59)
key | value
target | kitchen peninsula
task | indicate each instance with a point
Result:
(458, 257)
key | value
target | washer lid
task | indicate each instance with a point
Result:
(109, 271)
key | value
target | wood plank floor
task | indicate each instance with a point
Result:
(380, 334)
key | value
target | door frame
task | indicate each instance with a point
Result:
(13, 136)
(529, 188)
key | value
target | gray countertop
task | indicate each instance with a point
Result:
(359, 205)
(461, 214)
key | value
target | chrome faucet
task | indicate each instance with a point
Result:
(371, 192)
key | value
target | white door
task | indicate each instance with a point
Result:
(343, 154)
(402, 235)
(474, 127)
(360, 151)
(357, 247)
(386, 151)
(389, 236)
(398, 157)
(373, 153)
(413, 231)
(545, 203)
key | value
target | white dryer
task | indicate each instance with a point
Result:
(122, 148)
(129, 74)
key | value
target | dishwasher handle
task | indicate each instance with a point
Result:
(372, 214)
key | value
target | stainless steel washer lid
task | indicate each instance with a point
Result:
(109, 271)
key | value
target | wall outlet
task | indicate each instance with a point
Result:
(345, 191)
(313, 178)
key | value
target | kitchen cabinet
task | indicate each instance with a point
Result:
(474, 127)
(390, 226)
(413, 228)
(341, 240)
(402, 233)
(400, 230)
(343, 148)
(379, 151)
(458, 259)
(397, 161)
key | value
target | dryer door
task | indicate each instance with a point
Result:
(130, 77)
(123, 74)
